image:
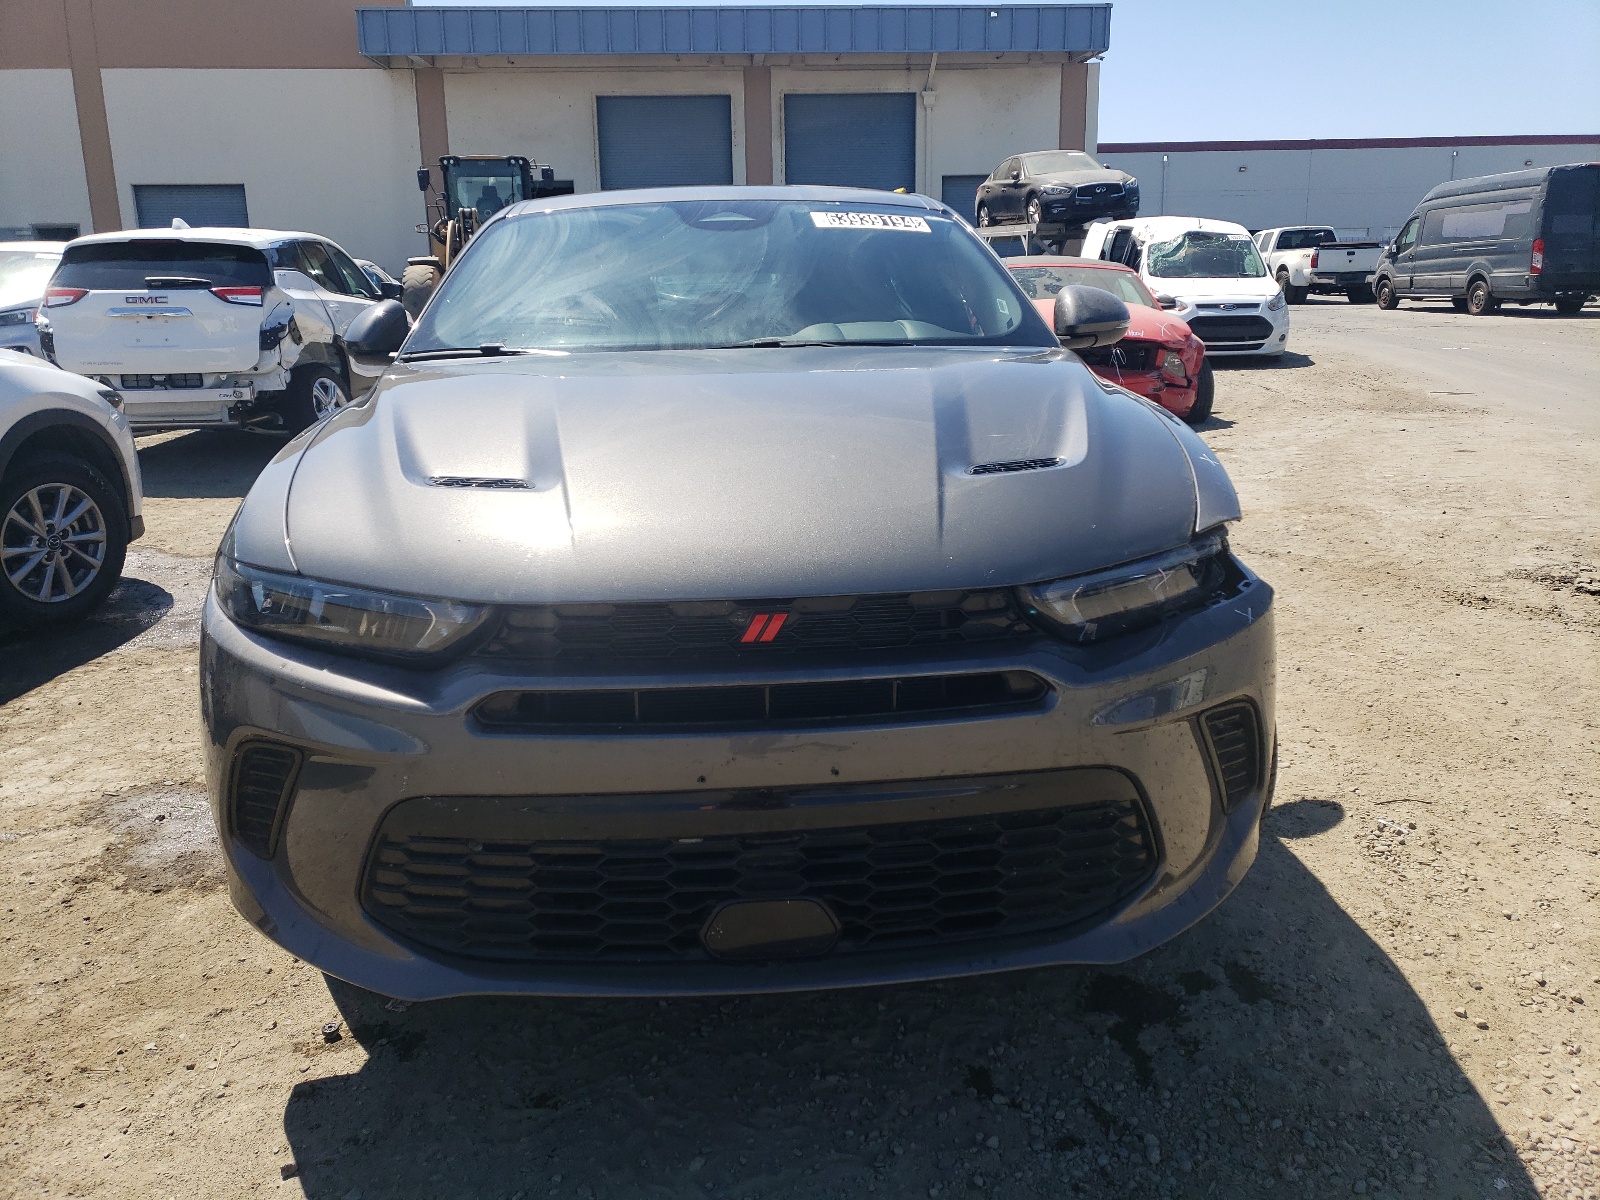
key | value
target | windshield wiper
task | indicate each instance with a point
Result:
(778, 342)
(487, 350)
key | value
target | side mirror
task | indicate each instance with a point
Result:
(1088, 316)
(1165, 301)
(390, 291)
(1015, 176)
(424, 179)
(378, 333)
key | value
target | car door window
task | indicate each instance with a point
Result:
(1407, 238)
(316, 263)
(355, 279)
(1118, 245)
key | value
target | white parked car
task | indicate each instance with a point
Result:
(70, 497)
(1311, 258)
(1212, 267)
(25, 269)
(210, 327)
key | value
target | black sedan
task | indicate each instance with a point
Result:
(1056, 187)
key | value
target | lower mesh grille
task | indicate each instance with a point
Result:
(1231, 329)
(263, 776)
(132, 383)
(1234, 733)
(1126, 355)
(647, 899)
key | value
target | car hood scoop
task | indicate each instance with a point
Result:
(769, 472)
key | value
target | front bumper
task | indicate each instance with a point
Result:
(1177, 399)
(373, 736)
(1073, 210)
(1232, 332)
(23, 337)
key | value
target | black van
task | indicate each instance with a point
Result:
(1532, 237)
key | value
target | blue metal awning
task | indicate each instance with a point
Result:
(1082, 30)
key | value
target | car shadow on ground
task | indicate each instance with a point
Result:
(211, 463)
(31, 658)
(1288, 360)
(1213, 422)
(1275, 1050)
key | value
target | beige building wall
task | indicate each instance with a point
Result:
(1367, 191)
(548, 114)
(982, 115)
(41, 156)
(327, 151)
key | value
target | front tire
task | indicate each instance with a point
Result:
(314, 393)
(1385, 295)
(1480, 300)
(416, 285)
(1205, 392)
(63, 538)
(1359, 295)
(1035, 211)
(1294, 295)
(984, 218)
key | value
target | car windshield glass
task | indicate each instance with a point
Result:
(1199, 254)
(1042, 283)
(23, 275)
(487, 189)
(725, 273)
(1060, 160)
(114, 266)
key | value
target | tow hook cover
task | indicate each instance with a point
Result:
(767, 929)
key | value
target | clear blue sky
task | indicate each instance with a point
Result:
(1196, 70)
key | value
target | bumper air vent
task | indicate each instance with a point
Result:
(131, 383)
(1233, 733)
(836, 702)
(1019, 464)
(262, 782)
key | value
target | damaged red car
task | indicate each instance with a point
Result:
(1159, 358)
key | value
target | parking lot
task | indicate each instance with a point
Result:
(1399, 1000)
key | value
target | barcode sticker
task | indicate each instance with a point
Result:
(861, 220)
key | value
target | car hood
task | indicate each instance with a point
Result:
(727, 474)
(1145, 324)
(1088, 175)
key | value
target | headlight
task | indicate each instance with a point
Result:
(112, 397)
(1086, 608)
(339, 616)
(1055, 189)
(1276, 303)
(1172, 367)
(17, 316)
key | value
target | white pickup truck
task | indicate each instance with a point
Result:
(1311, 258)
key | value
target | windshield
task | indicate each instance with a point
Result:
(24, 273)
(1198, 254)
(723, 273)
(488, 188)
(118, 266)
(1042, 283)
(1060, 160)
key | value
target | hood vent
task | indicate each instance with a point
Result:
(471, 481)
(1020, 464)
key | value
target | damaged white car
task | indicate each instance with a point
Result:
(210, 327)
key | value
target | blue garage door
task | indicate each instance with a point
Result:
(851, 139)
(960, 192)
(218, 205)
(665, 141)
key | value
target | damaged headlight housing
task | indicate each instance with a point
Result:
(339, 616)
(1102, 604)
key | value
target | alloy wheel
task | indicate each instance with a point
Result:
(327, 396)
(52, 543)
(1035, 212)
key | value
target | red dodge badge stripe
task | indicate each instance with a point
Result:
(774, 625)
(753, 630)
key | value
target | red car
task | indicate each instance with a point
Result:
(1158, 358)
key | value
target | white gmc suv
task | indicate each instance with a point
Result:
(210, 327)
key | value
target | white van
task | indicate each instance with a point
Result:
(210, 327)
(1229, 300)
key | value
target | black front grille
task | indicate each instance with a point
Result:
(136, 382)
(263, 777)
(1231, 329)
(1125, 355)
(647, 899)
(818, 626)
(911, 698)
(1234, 733)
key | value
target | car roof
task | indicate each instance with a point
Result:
(836, 195)
(38, 247)
(1058, 260)
(1169, 225)
(260, 239)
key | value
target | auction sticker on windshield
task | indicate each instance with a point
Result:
(860, 220)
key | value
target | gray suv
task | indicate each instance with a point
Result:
(780, 605)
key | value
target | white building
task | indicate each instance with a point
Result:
(314, 114)
(1363, 187)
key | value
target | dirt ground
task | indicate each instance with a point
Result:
(1400, 1000)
